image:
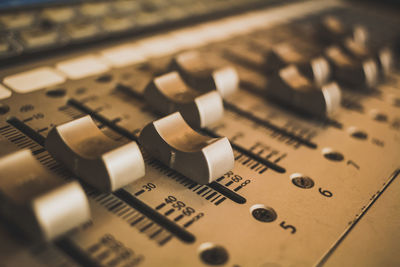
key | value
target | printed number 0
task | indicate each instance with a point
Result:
(149, 186)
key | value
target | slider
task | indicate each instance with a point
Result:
(246, 56)
(314, 67)
(383, 56)
(201, 74)
(332, 30)
(268, 60)
(355, 42)
(169, 93)
(350, 70)
(200, 158)
(95, 158)
(293, 89)
(39, 202)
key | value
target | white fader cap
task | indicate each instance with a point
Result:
(200, 158)
(39, 202)
(95, 158)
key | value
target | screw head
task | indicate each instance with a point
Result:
(302, 181)
(212, 254)
(262, 213)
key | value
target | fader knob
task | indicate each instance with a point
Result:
(332, 30)
(387, 59)
(97, 159)
(199, 73)
(315, 67)
(39, 202)
(290, 87)
(352, 71)
(169, 93)
(246, 56)
(200, 158)
(384, 56)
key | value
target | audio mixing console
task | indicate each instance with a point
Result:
(269, 137)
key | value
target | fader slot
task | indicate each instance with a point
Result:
(267, 124)
(178, 231)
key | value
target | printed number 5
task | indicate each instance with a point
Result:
(291, 227)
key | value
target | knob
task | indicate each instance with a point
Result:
(383, 56)
(332, 30)
(38, 201)
(169, 93)
(202, 159)
(308, 62)
(351, 71)
(386, 60)
(201, 74)
(291, 88)
(98, 160)
(245, 56)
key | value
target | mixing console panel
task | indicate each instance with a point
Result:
(260, 139)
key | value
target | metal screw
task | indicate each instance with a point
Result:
(213, 254)
(332, 155)
(263, 214)
(302, 181)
